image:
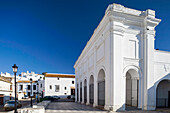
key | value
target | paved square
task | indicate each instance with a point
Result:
(71, 107)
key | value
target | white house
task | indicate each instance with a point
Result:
(119, 67)
(24, 84)
(59, 84)
(5, 90)
(6, 74)
(41, 88)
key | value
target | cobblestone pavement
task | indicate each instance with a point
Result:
(72, 107)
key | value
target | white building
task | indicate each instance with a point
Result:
(5, 74)
(119, 67)
(41, 88)
(59, 84)
(24, 84)
(5, 90)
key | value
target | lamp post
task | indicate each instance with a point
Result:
(15, 69)
(31, 91)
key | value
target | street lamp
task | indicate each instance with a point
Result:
(31, 91)
(15, 69)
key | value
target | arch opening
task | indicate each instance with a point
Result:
(77, 92)
(101, 88)
(80, 91)
(163, 94)
(91, 90)
(85, 91)
(132, 89)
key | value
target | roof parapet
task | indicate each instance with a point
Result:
(120, 8)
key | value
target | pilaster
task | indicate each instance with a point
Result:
(95, 80)
(75, 89)
(79, 92)
(118, 34)
(150, 22)
(87, 103)
(82, 91)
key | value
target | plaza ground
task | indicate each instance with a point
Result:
(73, 107)
(69, 106)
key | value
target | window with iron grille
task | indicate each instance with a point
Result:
(57, 88)
(50, 86)
(20, 87)
(34, 87)
(29, 87)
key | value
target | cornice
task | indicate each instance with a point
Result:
(153, 22)
(120, 8)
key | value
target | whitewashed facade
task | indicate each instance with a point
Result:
(5, 90)
(59, 84)
(119, 67)
(24, 84)
(41, 88)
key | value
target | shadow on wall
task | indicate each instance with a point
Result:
(162, 92)
(152, 92)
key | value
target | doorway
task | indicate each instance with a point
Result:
(132, 87)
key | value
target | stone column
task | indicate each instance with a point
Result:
(82, 91)
(134, 92)
(95, 80)
(87, 103)
(79, 93)
(95, 92)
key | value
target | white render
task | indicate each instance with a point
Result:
(5, 90)
(24, 80)
(62, 82)
(122, 45)
(5, 74)
(41, 87)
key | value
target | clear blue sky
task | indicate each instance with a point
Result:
(49, 35)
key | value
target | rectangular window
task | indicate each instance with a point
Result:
(20, 87)
(72, 82)
(29, 87)
(57, 88)
(41, 85)
(34, 87)
(29, 94)
(10, 87)
(50, 86)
